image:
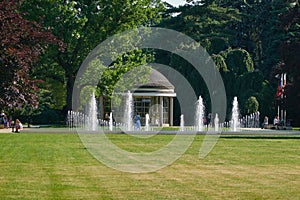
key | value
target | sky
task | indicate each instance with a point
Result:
(176, 2)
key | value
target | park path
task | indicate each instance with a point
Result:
(40, 130)
(5, 130)
(245, 131)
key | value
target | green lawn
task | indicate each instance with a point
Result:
(57, 166)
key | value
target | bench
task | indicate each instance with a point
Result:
(269, 126)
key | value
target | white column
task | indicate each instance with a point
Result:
(171, 111)
(161, 111)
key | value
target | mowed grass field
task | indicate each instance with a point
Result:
(57, 166)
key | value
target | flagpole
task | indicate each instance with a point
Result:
(281, 98)
(284, 100)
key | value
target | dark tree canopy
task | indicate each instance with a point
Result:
(290, 51)
(22, 41)
(83, 24)
(248, 40)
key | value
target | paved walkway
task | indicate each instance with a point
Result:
(5, 130)
(252, 131)
(40, 130)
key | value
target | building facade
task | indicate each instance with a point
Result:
(156, 98)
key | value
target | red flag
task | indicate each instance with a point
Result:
(279, 91)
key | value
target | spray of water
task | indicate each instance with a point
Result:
(199, 116)
(216, 122)
(181, 122)
(235, 115)
(92, 120)
(110, 121)
(128, 112)
(147, 122)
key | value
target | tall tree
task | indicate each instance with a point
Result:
(259, 31)
(290, 51)
(83, 24)
(205, 23)
(22, 42)
(215, 28)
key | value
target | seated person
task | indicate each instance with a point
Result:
(281, 122)
(265, 122)
(276, 122)
(18, 125)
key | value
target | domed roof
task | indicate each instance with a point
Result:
(157, 80)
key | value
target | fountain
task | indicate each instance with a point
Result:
(70, 119)
(250, 121)
(110, 121)
(88, 121)
(128, 112)
(199, 116)
(181, 123)
(92, 120)
(147, 122)
(216, 122)
(235, 115)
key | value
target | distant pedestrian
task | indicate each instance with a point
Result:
(2, 114)
(5, 121)
(137, 119)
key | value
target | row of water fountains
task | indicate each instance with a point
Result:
(91, 122)
(216, 126)
(250, 121)
(235, 124)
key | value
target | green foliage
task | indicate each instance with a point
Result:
(265, 97)
(126, 72)
(245, 38)
(259, 31)
(220, 63)
(216, 44)
(212, 27)
(243, 41)
(82, 24)
(206, 24)
(290, 51)
(46, 113)
(53, 80)
(239, 61)
(22, 42)
(251, 105)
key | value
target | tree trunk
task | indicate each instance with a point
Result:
(70, 84)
